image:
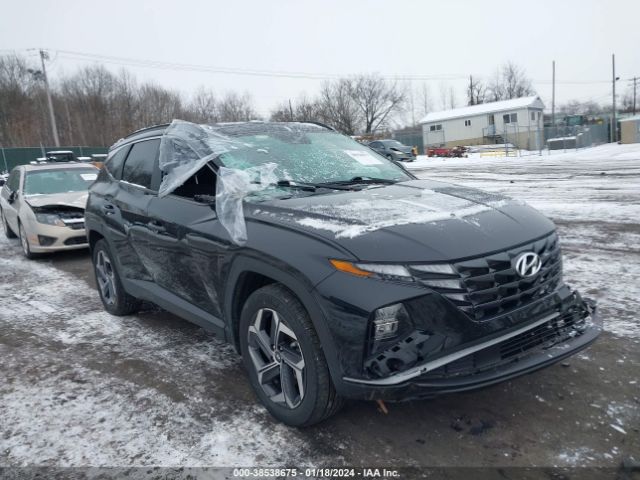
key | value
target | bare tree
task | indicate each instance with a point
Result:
(234, 107)
(300, 110)
(476, 91)
(376, 98)
(337, 107)
(510, 81)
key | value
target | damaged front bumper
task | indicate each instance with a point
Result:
(541, 337)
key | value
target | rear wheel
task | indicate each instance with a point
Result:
(282, 354)
(7, 229)
(115, 300)
(24, 243)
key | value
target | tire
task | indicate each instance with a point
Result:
(298, 397)
(114, 298)
(24, 243)
(7, 229)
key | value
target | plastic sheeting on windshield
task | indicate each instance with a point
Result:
(233, 186)
(185, 148)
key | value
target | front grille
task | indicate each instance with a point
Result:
(488, 286)
(542, 337)
(75, 225)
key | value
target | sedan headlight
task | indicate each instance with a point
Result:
(49, 219)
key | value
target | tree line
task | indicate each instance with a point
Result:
(94, 106)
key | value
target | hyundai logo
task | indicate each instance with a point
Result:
(528, 264)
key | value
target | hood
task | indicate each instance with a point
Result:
(401, 149)
(68, 199)
(413, 221)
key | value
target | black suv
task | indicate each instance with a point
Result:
(334, 272)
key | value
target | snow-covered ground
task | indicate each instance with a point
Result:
(79, 387)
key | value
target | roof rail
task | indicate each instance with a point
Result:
(147, 128)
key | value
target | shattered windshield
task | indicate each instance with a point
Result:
(311, 156)
(301, 152)
(47, 182)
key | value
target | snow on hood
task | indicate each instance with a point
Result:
(68, 199)
(408, 203)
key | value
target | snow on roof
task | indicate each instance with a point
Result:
(630, 119)
(483, 108)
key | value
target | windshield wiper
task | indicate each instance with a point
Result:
(362, 181)
(311, 187)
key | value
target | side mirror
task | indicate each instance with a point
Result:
(2, 182)
(12, 197)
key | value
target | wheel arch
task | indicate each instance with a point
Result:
(248, 275)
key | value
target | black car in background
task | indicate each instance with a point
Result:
(335, 273)
(393, 150)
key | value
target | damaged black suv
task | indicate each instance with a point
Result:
(334, 272)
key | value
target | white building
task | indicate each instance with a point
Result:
(518, 121)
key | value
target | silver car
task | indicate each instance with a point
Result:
(44, 206)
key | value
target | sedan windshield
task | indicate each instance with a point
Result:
(47, 182)
(394, 143)
(312, 156)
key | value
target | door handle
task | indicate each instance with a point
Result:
(108, 209)
(156, 226)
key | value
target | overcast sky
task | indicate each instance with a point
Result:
(434, 39)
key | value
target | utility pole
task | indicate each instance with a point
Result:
(44, 56)
(635, 81)
(553, 93)
(614, 124)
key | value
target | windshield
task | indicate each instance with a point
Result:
(317, 156)
(393, 143)
(46, 182)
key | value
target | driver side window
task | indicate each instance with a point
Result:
(203, 182)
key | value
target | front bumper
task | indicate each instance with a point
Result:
(51, 238)
(442, 349)
(434, 378)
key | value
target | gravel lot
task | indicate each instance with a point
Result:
(82, 388)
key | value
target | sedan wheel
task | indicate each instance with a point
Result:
(24, 242)
(106, 278)
(276, 356)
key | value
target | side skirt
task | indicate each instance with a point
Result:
(172, 303)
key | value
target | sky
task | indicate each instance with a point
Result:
(436, 43)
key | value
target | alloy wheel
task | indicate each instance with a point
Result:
(105, 275)
(277, 358)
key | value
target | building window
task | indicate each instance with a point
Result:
(533, 116)
(510, 118)
(434, 128)
(467, 123)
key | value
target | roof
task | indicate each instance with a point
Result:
(484, 108)
(57, 166)
(630, 119)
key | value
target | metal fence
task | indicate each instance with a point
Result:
(10, 157)
(411, 138)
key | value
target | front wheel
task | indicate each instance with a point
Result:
(115, 300)
(24, 243)
(282, 354)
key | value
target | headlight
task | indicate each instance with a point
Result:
(49, 219)
(374, 270)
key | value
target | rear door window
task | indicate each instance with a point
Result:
(115, 162)
(138, 168)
